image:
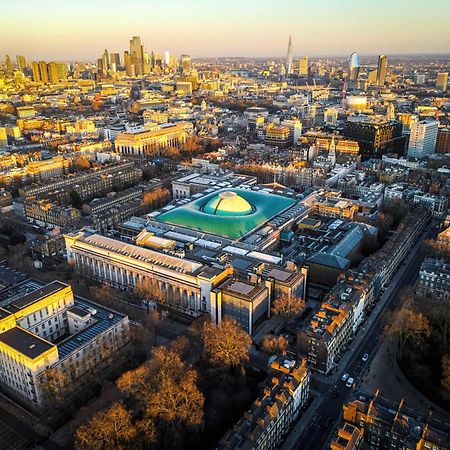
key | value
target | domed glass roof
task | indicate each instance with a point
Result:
(228, 203)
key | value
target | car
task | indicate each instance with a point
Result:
(350, 382)
(344, 377)
(365, 357)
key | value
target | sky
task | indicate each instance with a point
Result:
(72, 30)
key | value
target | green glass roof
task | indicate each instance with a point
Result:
(199, 214)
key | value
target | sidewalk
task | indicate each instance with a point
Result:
(374, 315)
(302, 423)
(396, 386)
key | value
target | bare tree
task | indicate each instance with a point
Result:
(287, 305)
(226, 344)
(274, 344)
(110, 429)
(408, 327)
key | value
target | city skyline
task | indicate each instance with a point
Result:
(244, 30)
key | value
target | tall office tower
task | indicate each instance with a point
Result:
(114, 58)
(303, 67)
(381, 70)
(137, 54)
(372, 76)
(8, 64)
(57, 72)
(43, 70)
(167, 58)
(422, 140)
(419, 78)
(289, 58)
(100, 70)
(36, 71)
(354, 67)
(185, 63)
(443, 140)
(105, 61)
(441, 81)
(21, 62)
(127, 62)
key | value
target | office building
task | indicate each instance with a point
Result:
(8, 65)
(289, 58)
(443, 140)
(441, 81)
(114, 59)
(303, 67)
(354, 67)
(422, 140)
(375, 136)
(45, 326)
(43, 68)
(247, 303)
(21, 62)
(381, 70)
(185, 61)
(136, 58)
(57, 71)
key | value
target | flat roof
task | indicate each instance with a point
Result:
(36, 295)
(104, 319)
(24, 342)
(241, 288)
(4, 313)
(9, 277)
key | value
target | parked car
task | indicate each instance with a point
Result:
(350, 382)
(365, 357)
(344, 377)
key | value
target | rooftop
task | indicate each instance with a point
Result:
(24, 342)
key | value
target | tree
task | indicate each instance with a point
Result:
(172, 153)
(274, 344)
(288, 305)
(54, 384)
(166, 390)
(81, 163)
(192, 144)
(408, 327)
(155, 198)
(148, 289)
(110, 429)
(102, 294)
(445, 379)
(226, 344)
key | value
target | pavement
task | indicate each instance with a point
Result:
(396, 386)
(312, 434)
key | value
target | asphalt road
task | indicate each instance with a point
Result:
(319, 430)
(17, 434)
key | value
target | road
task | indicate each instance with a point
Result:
(16, 434)
(316, 434)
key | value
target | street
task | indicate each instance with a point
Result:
(314, 434)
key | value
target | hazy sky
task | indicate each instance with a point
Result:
(81, 29)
